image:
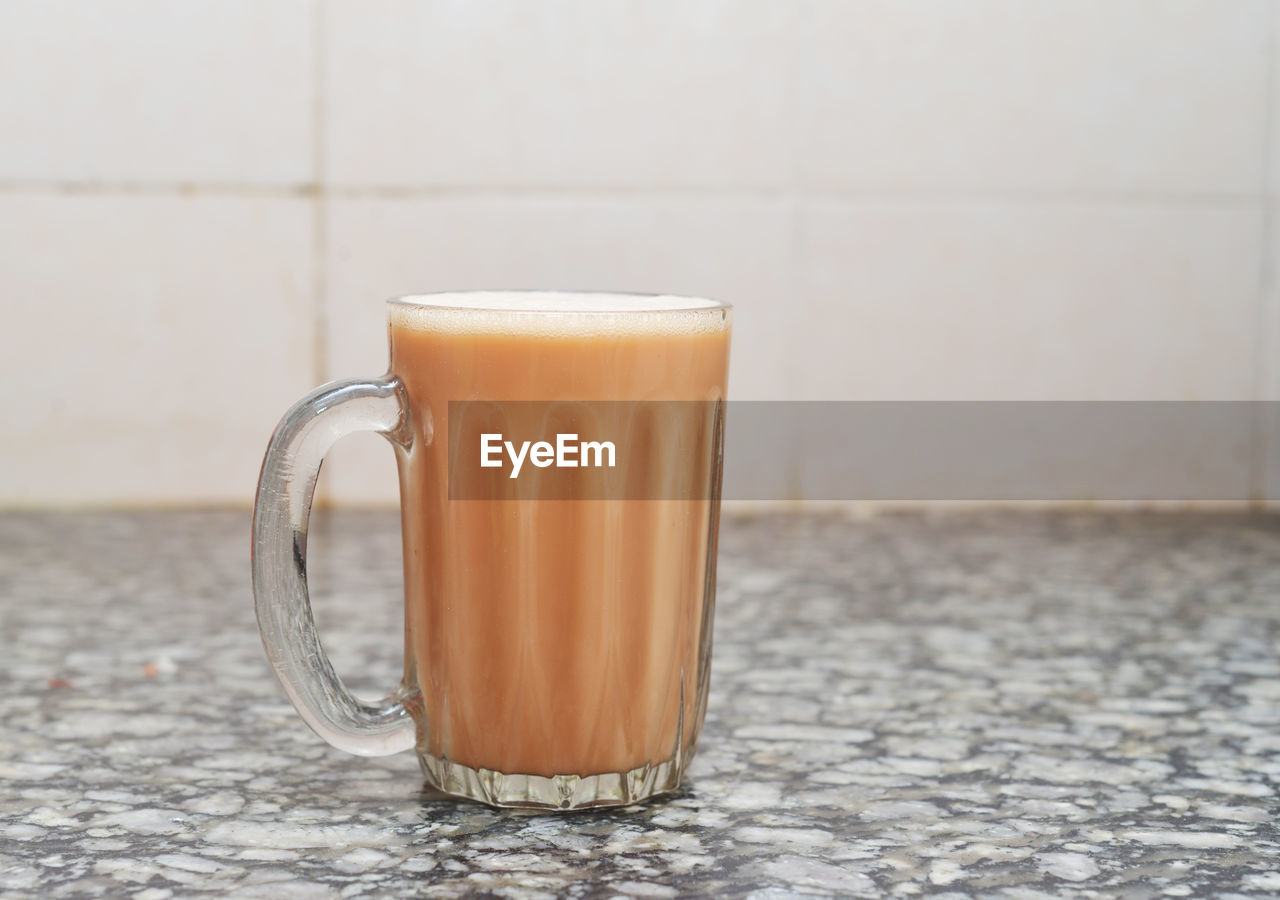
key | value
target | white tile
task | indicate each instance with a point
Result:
(564, 92)
(730, 250)
(149, 90)
(1019, 302)
(1269, 431)
(1055, 95)
(1273, 147)
(150, 345)
(1270, 458)
(1268, 446)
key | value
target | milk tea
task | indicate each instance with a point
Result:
(556, 637)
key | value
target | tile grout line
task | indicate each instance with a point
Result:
(923, 198)
(319, 222)
(1265, 344)
(794, 197)
(319, 200)
(106, 187)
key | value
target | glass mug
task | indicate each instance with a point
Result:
(557, 651)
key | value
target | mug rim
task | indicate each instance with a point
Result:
(638, 302)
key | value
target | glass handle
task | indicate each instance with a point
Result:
(280, 517)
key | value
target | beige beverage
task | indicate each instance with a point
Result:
(553, 637)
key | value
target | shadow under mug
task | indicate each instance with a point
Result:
(557, 651)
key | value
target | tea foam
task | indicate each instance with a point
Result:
(555, 313)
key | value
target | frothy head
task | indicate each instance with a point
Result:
(549, 313)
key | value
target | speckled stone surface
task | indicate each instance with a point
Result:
(969, 705)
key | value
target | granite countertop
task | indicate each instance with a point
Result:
(1013, 704)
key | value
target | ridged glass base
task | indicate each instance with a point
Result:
(558, 792)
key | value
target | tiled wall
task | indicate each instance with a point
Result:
(203, 204)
